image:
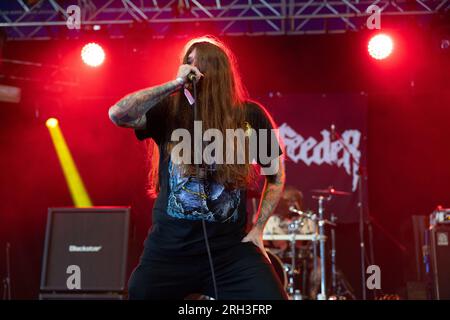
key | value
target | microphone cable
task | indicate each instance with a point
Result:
(208, 249)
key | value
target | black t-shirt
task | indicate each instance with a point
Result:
(179, 209)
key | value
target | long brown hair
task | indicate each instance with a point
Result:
(220, 102)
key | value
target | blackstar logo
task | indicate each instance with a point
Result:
(74, 248)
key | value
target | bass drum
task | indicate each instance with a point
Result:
(278, 267)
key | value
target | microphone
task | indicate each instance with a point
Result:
(192, 77)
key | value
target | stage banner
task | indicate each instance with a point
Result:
(315, 156)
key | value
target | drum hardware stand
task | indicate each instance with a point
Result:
(333, 255)
(362, 175)
(290, 287)
(335, 289)
(372, 257)
(292, 227)
(323, 291)
(315, 255)
(343, 288)
(7, 279)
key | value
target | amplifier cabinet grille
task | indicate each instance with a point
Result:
(88, 243)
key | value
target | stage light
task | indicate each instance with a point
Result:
(93, 54)
(51, 123)
(380, 46)
(74, 182)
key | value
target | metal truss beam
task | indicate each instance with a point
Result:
(43, 19)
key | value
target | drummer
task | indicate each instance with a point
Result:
(280, 219)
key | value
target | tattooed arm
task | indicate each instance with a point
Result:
(272, 191)
(130, 111)
(273, 188)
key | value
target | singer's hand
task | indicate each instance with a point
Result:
(256, 237)
(186, 69)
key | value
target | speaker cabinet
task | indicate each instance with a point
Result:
(85, 250)
(440, 260)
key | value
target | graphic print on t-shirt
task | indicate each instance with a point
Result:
(209, 201)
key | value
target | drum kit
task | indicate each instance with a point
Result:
(295, 241)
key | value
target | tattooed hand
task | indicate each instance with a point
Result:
(255, 236)
(185, 69)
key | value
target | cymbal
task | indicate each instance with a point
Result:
(332, 192)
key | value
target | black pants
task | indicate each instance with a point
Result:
(241, 272)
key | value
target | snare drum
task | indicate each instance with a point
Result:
(302, 226)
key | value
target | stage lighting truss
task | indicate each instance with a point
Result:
(49, 77)
(45, 19)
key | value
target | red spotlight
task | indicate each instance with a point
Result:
(380, 46)
(92, 54)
